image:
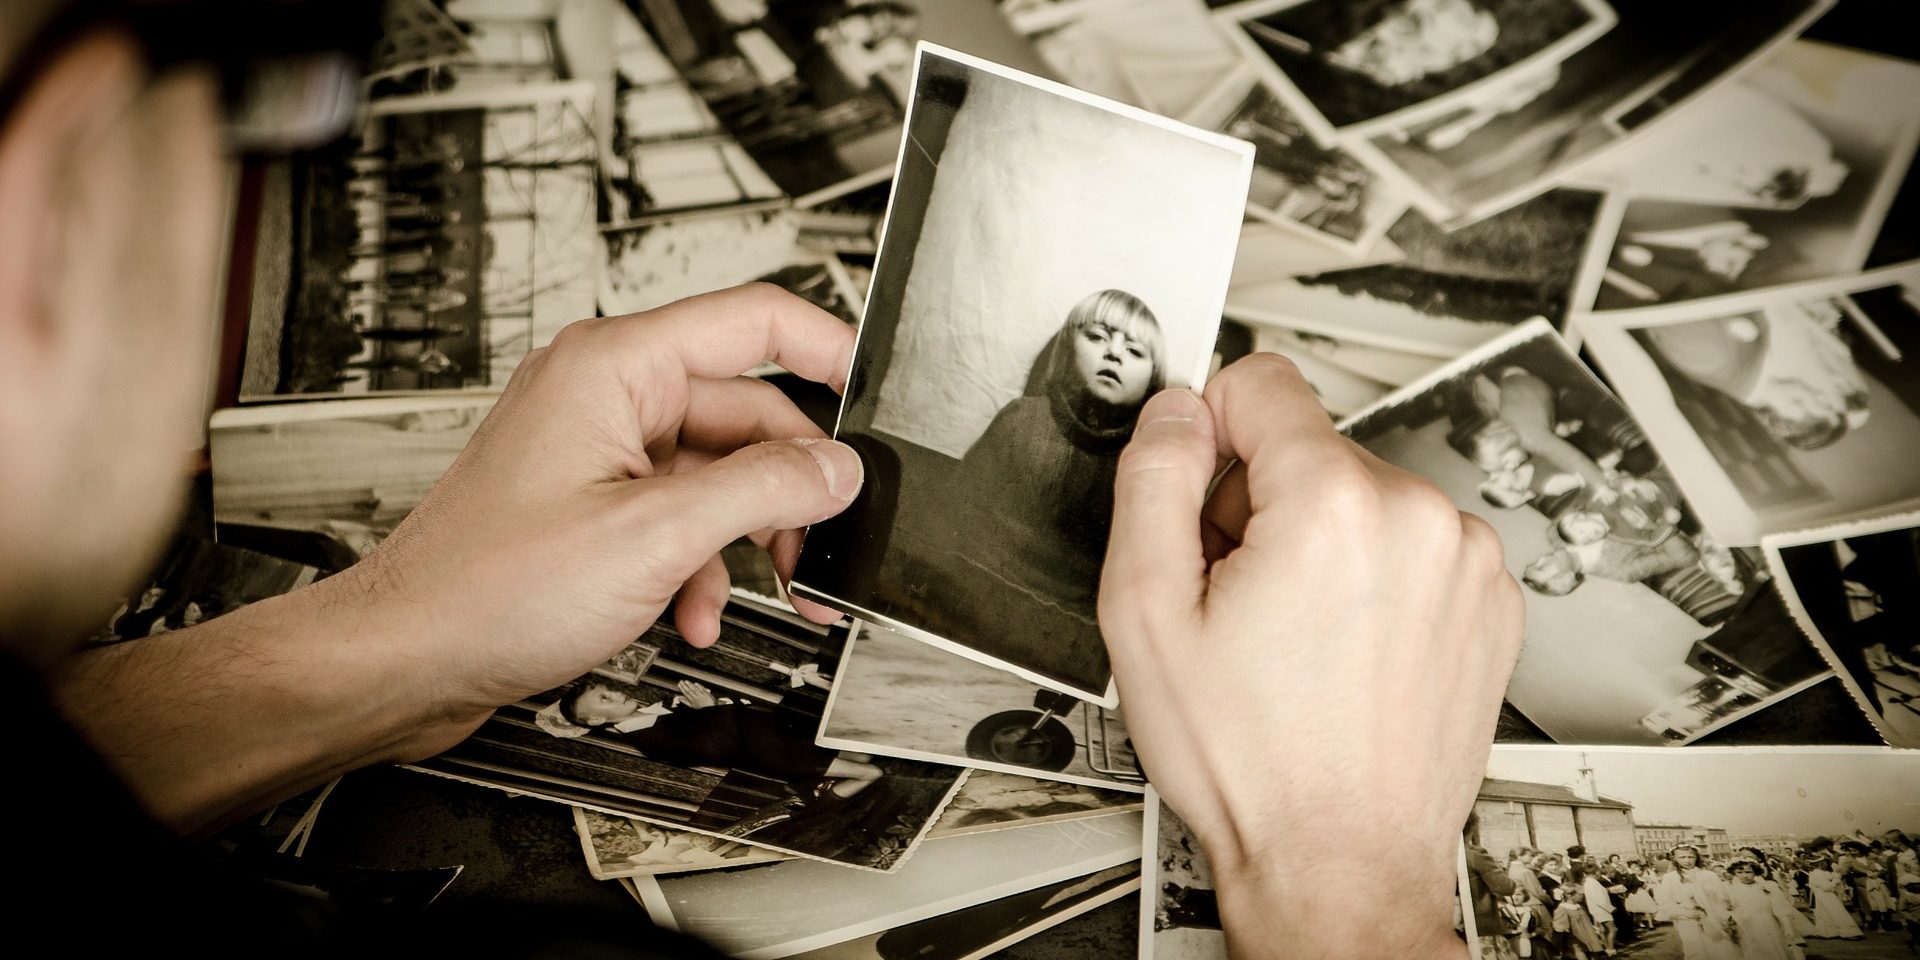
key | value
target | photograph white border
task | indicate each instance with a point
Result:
(1791, 594)
(889, 750)
(1197, 374)
(1231, 17)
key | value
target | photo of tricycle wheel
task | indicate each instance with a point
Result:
(1022, 738)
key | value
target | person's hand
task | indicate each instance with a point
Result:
(1311, 659)
(696, 695)
(603, 485)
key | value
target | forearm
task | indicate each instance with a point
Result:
(214, 722)
(1309, 913)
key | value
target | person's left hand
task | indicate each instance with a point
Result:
(617, 464)
(696, 695)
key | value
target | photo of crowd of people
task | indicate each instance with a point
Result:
(1854, 588)
(1778, 410)
(1624, 582)
(1586, 854)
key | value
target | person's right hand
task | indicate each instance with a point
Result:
(1311, 657)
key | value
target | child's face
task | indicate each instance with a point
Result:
(1744, 874)
(1116, 368)
(1580, 527)
(1497, 449)
(598, 705)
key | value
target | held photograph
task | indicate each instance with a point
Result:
(1642, 628)
(989, 400)
(1783, 177)
(1782, 409)
(1511, 142)
(715, 740)
(1695, 853)
(1358, 67)
(1853, 589)
(898, 697)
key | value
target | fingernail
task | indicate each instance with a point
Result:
(838, 464)
(1176, 405)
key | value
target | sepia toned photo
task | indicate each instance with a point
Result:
(1359, 67)
(430, 251)
(1783, 177)
(1642, 628)
(783, 909)
(989, 401)
(1179, 910)
(1324, 193)
(816, 92)
(1853, 590)
(1158, 55)
(716, 740)
(618, 847)
(895, 696)
(1518, 138)
(1450, 291)
(345, 470)
(1781, 409)
(198, 580)
(1695, 853)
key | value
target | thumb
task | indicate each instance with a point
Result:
(777, 485)
(1154, 561)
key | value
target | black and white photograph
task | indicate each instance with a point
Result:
(1179, 912)
(1160, 55)
(1532, 132)
(816, 92)
(896, 696)
(1641, 627)
(1322, 192)
(785, 909)
(1785, 176)
(432, 250)
(198, 580)
(715, 740)
(1341, 390)
(1854, 590)
(1358, 67)
(1451, 290)
(989, 400)
(1394, 368)
(1783, 409)
(1692, 854)
(1269, 252)
(618, 847)
(345, 470)
(980, 932)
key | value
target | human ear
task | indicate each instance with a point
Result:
(80, 92)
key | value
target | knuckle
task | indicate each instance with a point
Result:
(1348, 493)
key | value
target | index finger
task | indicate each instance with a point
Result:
(728, 332)
(1267, 417)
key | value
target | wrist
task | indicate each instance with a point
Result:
(1317, 907)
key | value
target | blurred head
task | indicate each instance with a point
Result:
(111, 192)
(1686, 857)
(1419, 38)
(1496, 447)
(1806, 418)
(1581, 527)
(1744, 871)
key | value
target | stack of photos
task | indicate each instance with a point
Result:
(1642, 625)
(1853, 588)
(617, 847)
(1454, 216)
(1778, 409)
(786, 909)
(715, 740)
(991, 400)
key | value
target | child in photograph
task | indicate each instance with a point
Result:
(1035, 491)
(1831, 921)
(1908, 910)
(1763, 917)
(1694, 899)
(1578, 936)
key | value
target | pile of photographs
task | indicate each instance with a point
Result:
(1610, 273)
